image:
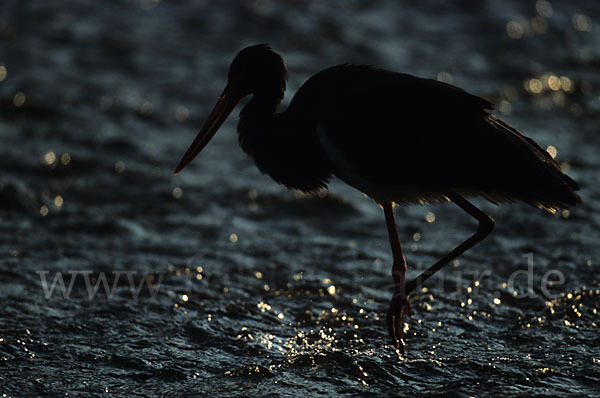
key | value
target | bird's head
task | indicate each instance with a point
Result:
(256, 70)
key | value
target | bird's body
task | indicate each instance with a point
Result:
(398, 138)
(395, 137)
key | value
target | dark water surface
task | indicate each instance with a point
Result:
(261, 291)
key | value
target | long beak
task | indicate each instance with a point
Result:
(227, 102)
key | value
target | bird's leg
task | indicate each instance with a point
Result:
(399, 303)
(486, 225)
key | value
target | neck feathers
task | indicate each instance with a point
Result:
(257, 122)
(282, 146)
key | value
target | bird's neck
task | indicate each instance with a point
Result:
(257, 122)
(282, 145)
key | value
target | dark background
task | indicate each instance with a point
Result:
(263, 290)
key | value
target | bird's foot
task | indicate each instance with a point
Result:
(395, 319)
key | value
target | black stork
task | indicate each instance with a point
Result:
(395, 137)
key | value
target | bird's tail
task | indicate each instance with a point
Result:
(548, 187)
